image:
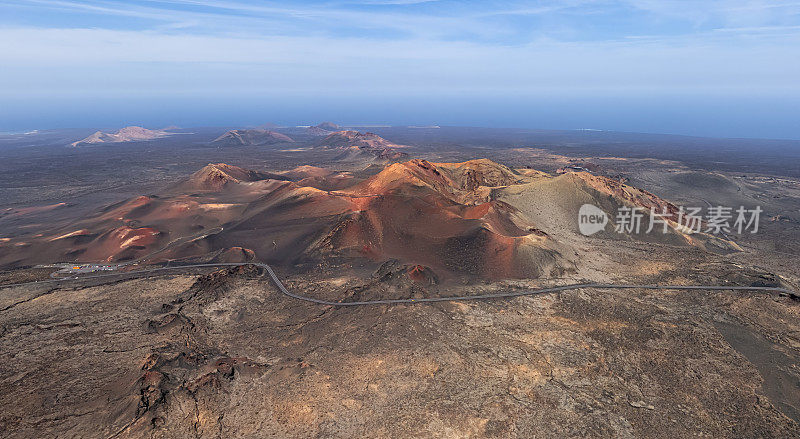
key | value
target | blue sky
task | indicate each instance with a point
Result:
(709, 67)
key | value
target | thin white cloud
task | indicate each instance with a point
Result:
(389, 2)
(233, 17)
(81, 59)
(471, 23)
(460, 21)
(273, 45)
(727, 12)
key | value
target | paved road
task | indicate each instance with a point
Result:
(283, 290)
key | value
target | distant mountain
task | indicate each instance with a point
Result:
(330, 126)
(356, 145)
(127, 134)
(352, 138)
(355, 154)
(323, 129)
(215, 176)
(251, 138)
(320, 178)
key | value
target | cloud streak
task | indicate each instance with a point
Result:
(120, 59)
(486, 21)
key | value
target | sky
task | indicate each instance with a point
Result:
(722, 68)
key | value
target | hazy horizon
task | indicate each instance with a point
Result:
(719, 117)
(723, 68)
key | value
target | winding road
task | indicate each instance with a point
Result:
(283, 290)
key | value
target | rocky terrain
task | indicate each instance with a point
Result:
(224, 354)
(220, 352)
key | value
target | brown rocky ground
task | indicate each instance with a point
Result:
(226, 355)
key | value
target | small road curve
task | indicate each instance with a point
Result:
(283, 290)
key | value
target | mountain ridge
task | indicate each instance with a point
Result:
(251, 137)
(126, 134)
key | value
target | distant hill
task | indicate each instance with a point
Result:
(357, 146)
(322, 129)
(251, 138)
(127, 134)
(215, 176)
(352, 138)
(330, 126)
